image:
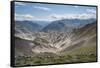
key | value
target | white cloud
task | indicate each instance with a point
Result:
(23, 17)
(91, 11)
(87, 16)
(56, 16)
(42, 8)
(20, 3)
(72, 16)
(53, 17)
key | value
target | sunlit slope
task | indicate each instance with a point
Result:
(84, 42)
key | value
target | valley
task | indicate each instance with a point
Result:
(77, 45)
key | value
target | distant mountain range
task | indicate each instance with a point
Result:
(42, 23)
(63, 25)
(66, 24)
(26, 26)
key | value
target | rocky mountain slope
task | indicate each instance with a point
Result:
(56, 42)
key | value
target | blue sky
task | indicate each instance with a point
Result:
(51, 12)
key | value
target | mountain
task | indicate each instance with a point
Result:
(79, 45)
(58, 36)
(78, 21)
(55, 26)
(23, 47)
(59, 41)
(24, 29)
(66, 24)
(42, 23)
(83, 39)
(27, 26)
